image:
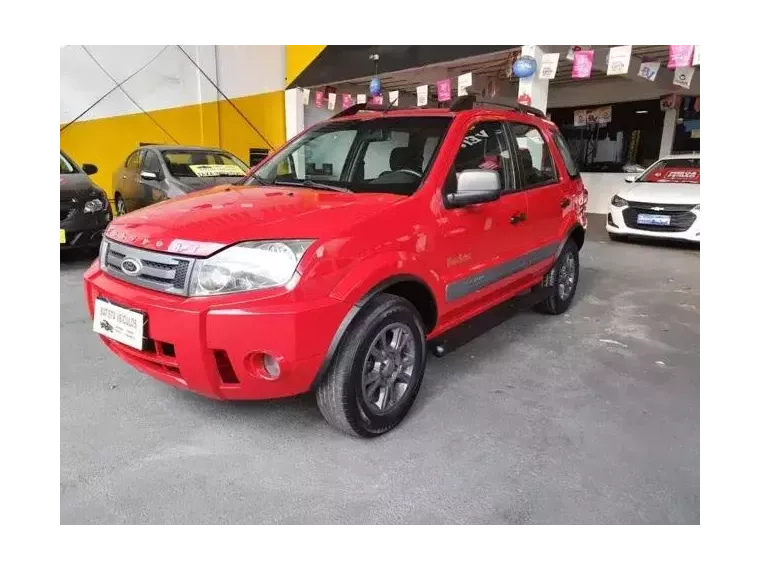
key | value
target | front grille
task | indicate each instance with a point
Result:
(163, 272)
(681, 216)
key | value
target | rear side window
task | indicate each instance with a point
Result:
(534, 156)
(567, 156)
(151, 162)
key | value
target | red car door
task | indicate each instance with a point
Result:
(542, 186)
(483, 241)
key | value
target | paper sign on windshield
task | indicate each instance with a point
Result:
(202, 170)
(685, 175)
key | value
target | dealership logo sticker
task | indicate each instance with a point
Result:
(422, 95)
(619, 60)
(582, 62)
(549, 63)
(648, 70)
(679, 56)
(682, 76)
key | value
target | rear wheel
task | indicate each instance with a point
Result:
(121, 206)
(561, 280)
(377, 371)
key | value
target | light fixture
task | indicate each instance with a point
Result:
(641, 111)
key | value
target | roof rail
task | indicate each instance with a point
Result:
(466, 102)
(354, 109)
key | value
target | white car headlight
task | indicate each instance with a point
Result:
(618, 201)
(95, 205)
(247, 266)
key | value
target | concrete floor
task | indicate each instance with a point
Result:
(590, 417)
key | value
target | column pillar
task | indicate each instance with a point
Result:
(533, 87)
(668, 132)
(294, 122)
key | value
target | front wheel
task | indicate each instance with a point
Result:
(377, 371)
(561, 280)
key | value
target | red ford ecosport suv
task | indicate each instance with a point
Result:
(330, 267)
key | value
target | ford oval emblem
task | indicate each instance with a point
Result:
(131, 266)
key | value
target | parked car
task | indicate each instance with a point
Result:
(342, 254)
(662, 202)
(85, 211)
(154, 173)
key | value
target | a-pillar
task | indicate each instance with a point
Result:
(532, 90)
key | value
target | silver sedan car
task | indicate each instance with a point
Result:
(154, 173)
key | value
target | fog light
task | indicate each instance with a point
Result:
(271, 366)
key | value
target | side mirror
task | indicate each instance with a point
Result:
(630, 179)
(146, 175)
(475, 187)
(89, 169)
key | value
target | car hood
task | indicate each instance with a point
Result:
(205, 221)
(661, 193)
(77, 185)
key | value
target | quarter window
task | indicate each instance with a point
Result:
(567, 155)
(534, 155)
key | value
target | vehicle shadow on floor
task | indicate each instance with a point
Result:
(660, 243)
(74, 259)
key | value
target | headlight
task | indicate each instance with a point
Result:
(95, 205)
(102, 253)
(618, 201)
(247, 267)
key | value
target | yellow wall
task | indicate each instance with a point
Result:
(298, 58)
(107, 142)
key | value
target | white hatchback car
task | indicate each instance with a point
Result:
(661, 202)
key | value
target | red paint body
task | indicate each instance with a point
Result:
(362, 240)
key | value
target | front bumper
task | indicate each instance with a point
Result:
(621, 221)
(84, 230)
(213, 345)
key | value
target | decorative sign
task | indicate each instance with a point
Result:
(361, 98)
(464, 81)
(319, 99)
(648, 70)
(422, 95)
(443, 89)
(393, 98)
(305, 96)
(682, 76)
(699, 53)
(619, 60)
(331, 97)
(680, 56)
(524, 99)
(375, 87)
(582, 63)
(579, 118)
(549, 63)
(668, 102)
(599, 116)
(346, 100)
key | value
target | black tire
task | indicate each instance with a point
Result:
(120, 206)
(340, 396)
(616, 237)
(558, 303)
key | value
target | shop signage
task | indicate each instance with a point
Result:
(682, 76)
(648, 70)
(582, 63)
(595, 116)
(619, 60)
(422, 95)
(549, 63)
(680, 56)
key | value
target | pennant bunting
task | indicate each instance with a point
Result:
(346, 100)
(583, 60)
(319, 99)
(305, 96)
(619, 60)
(393, 98)
(549, 63)
(682, 76)
(377, 99)
(331, 97)
(679, 56)
(361, 98)
(648, 70)
(695, 58)
(464, 81)
(422, 95)
(443, 88)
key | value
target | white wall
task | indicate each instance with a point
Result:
(169, 81)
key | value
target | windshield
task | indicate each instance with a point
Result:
(67, 167)
(681, 170)
(203, 164)
(390, 154)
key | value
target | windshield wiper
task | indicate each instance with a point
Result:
(308, 183)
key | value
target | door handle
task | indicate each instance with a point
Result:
(565, 203)
(517, 218)
(124, 177)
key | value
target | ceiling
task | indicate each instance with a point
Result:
(494, 66)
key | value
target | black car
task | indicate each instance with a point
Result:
(85, 211)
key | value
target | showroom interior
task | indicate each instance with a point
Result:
(588, 416)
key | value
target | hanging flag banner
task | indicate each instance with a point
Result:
(619, 60)
(443, 88)
(346, 100)
(377, 99)
(422, 95)
(305, 96)
(579, 118)
(680, 56)
(572, 51)
(331, 97)
(319, 99)
(682, 76)
(582, 62)
(648, 70)
(464, 81)
(361, 98)
(699, 53)
(548, 69)
(393, 98)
